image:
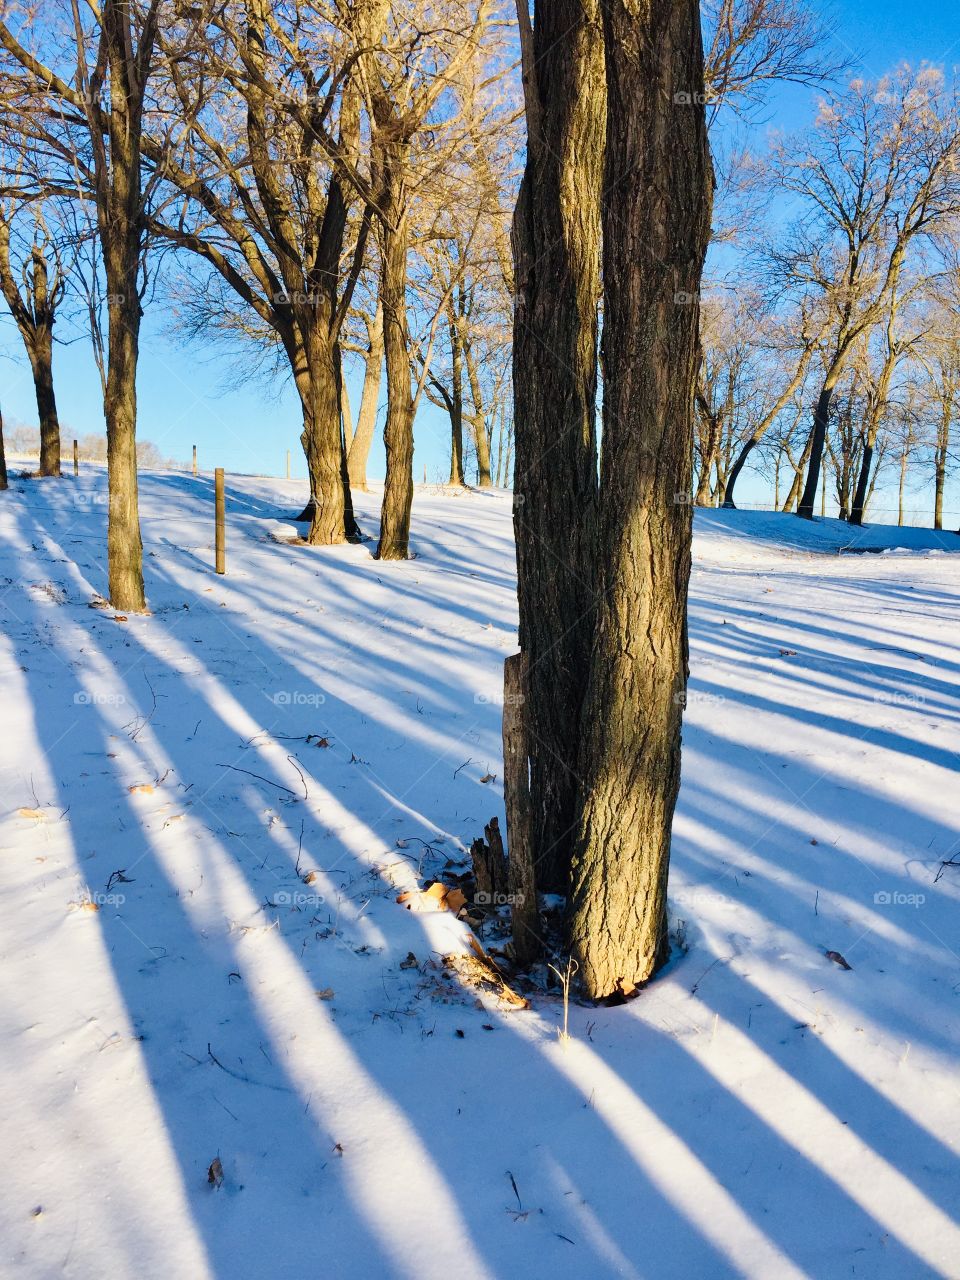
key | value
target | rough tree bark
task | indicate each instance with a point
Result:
(556, 250)
(656, 222)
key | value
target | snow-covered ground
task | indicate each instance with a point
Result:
(758, 1111)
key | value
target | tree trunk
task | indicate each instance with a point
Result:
(119, 223)
(3, 457)
(395, 511)
(556, 253)
(863, 482)
(818, 437)
(322, 442)
(124, 545)
(798, 474)
(369, 399)
(478, 421)
(41, 363)
(903, 482)
(737, 467)
(346, 415)
(524, 913)
(456, 402)
(656, 224)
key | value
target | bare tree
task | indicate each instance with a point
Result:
(877, 174)
(88, 126)
(33, 283)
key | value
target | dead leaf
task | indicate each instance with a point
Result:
(326, 993)
(338, 1149)
(215, 1173)
(120, 617)
(410, 962)
(788, 653)
(38, 815)
(837, 958)
(141, 789)
(439, 897)
(310, 877)
(489, 777)
(86, 905)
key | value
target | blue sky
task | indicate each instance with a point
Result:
(185, 393)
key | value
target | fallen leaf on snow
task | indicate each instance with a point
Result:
(325, 994)
(439, 897)
(215, 1173)
(410, 962)
(837, 958)
(141, 789)
(38, 815)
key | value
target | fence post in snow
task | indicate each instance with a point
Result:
(76, 458)
(221, 516)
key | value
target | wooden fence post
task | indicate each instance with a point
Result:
(516, 792)
(76, 458)
(194, 459)
(221, 510)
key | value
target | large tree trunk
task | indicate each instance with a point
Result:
(656, 222)
(322, 441)
(859, 506)
(369, 399)
(818, 438)
(556, 247)
(124, 545)
(41, 363)
(120, 226)
(395, 511)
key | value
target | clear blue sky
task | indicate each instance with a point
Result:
(185, 394)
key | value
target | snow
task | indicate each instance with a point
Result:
(758, 1111)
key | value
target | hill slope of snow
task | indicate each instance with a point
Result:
(208, 813)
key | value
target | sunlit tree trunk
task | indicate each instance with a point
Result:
(556, 247)
(656, 223)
